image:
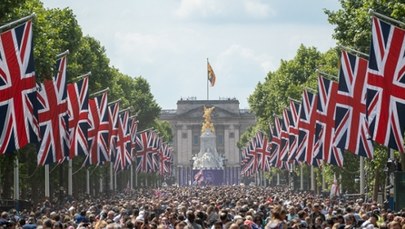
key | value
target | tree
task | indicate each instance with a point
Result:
(353, 29)
(353, 24)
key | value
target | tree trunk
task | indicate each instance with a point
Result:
(376, 186)
(402, 155)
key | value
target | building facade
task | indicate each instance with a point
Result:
(186, 122)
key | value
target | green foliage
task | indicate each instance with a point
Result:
(54, 31)
(288, 81)
(164, 129)
(7, 7)
(144, 103)
(353, 29)
(353, 24)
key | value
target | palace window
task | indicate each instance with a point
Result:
(196, 139)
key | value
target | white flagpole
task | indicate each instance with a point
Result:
(302, 177)
(312, 178)
(131, 178)
(17, 22)
(208, 95)
(101, 184)
(16, 179)
(115, 180)
(47, 192)
(362, 176)
(88, 181)
(70, 178)
(278, 178)
(111, 176)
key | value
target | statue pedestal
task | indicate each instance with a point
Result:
(209, 177)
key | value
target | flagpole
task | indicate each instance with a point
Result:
(332, 77)
(362, 176)
(16, 179)
(47, 193)
(70, 178)
(62, 54)
(81, 77)
(19, 21)
(116, 101)
(358, 53)
(382, 16)
(99, 92)
(208, 97)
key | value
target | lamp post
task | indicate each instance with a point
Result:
(191, 171)
(225, 177)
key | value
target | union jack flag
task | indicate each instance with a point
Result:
(386, 85)
(284, 135)
(263, 151)
(113, 110)
(18, 100)
(325, 124)
(254, 167)
(244, 161)
(199, 177)
(53, 117)
(98, 131)
(293, 117)
(278, 145)
(306, 128)
(123, 156)
(78, 111)
(155, 142)
(165, 152)
(144, 151)
(134, 130)
(351, 125)
(249, 160)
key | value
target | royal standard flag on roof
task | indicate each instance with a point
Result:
(211, 75)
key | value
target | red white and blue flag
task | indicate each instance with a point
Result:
(263, 151)
(113, 110)
(18, 99)
(53, 117)
(78, 103)
(98, 131)
(306, 128)
(254, 164)
(352, 132)
(293, 116)
(133, 123)
(144, 151)
(199, 177)
(248, 160)
(284, 136)
(325, 123)
(123, 156)
(386, 85)
(165, 157)
(278, 145)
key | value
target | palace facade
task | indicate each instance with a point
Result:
(186, 121)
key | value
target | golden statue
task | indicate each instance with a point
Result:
(207, 124)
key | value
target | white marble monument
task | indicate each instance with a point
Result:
(208, 157)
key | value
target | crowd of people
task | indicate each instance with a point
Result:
(212, 207)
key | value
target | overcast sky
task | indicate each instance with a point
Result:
(168, 41)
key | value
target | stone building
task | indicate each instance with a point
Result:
(186, 121)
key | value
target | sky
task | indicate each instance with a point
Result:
(168, 41)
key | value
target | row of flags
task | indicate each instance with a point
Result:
(366, 104)
(61, 118)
